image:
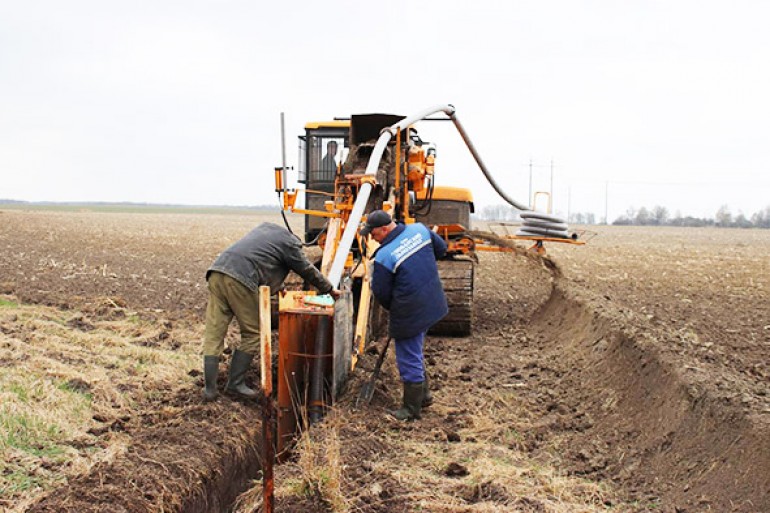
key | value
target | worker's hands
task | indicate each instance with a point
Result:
(335, 293)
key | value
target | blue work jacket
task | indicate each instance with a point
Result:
(405, 279)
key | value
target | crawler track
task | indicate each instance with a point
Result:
(457, 276)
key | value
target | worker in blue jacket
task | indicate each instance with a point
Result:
(405, 281)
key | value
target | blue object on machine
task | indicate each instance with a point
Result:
(322, 300)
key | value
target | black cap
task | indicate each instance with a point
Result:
(375, 219)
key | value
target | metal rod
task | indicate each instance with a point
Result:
(283, 153)
(550, 196)
(315, 408)
(530, 198)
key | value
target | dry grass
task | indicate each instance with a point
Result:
(67, 379)
(315, 475)
(501, 475)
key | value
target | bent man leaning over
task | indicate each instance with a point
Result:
(263, 257)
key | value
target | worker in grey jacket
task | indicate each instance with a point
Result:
(263, 257)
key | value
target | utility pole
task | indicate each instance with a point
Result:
(529, 200)
(606, 202)
(550, 194)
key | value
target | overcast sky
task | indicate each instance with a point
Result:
(655, 102)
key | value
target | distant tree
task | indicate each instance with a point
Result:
(498, 213)
(724, 218)
(659, 215)
(643, 216)
(740, 221)
(626, 219)
(582, 218)
(761, 219)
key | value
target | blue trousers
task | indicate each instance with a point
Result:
(409, 358)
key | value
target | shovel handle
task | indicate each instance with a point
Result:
(367, 391)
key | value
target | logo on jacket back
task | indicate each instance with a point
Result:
(407, 247)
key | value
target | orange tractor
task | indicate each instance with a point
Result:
(348, 168)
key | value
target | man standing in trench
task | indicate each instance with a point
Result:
(406, 283)
(263, 257)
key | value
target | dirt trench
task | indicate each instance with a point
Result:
(635, 418)
(183, 455)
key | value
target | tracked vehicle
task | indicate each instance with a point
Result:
(405, 185)
(347, 168)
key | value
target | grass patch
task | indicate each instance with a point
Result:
(29, 434)
(7, 303)
(16, 481)
(77, 386)
(57, 377)
(20, 391)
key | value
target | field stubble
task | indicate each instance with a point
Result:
(635, 380)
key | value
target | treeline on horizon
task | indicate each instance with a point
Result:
(655, 216)
(130, 204)
(724, 218)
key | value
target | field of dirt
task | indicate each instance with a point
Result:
(632, 377)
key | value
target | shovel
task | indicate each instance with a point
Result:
(367, 391)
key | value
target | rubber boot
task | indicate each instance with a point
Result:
(210, 372)
(427, 397)
(412, 404)
(239, 364)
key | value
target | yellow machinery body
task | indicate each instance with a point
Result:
(319, 345)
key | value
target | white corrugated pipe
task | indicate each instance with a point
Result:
(338, 265)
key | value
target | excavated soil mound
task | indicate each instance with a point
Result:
(627, 413)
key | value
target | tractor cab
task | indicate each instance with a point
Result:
(322, 149)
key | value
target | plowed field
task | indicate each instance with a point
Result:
(631, 376)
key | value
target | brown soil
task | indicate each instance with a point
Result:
(643, 364)
(183, 456)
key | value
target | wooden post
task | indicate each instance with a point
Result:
(330, 246)
(268, 417)
(362, 323)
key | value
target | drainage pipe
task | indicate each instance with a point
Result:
(338, 264)
(483, 167)
(534, 224)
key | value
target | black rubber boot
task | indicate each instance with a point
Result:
(427, 397)
(239, 364)
(210, 372)
(412, 403)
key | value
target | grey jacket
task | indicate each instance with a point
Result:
(264, 257)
